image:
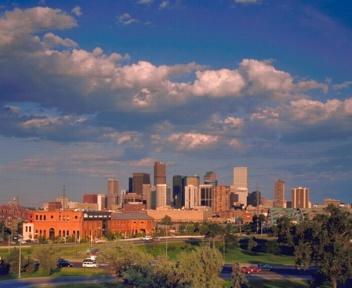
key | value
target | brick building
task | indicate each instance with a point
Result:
(69, 223)
(221, 200)
(12, 214)
(131, 223)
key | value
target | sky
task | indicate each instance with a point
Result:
(94, 89)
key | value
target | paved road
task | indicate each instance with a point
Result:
(278, 272)
(44, 281)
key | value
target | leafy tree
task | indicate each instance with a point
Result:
(12, 260)
(272, 247)
(326, 242)
(122, 257)
(47, 257)
(212, 231)
(200, 268)
(251, 244)
(283, 229)
(238, 280)
(166, 220)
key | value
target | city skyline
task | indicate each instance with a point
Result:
(96, 90)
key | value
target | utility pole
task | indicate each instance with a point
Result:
(19, 259)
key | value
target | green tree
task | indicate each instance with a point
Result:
(238, 280)
(283, 230)
(200, 268)
(272, 247)
(326, 242)
(47, 257)
(122, 257)
(12, 260)
(251, 244)
(166, 220)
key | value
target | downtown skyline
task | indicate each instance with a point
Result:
(91, 90)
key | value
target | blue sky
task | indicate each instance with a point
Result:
(92, 89)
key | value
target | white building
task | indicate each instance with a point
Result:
(240, 184)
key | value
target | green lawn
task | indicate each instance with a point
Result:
(278, 284)
(243, 256)
(73, 271)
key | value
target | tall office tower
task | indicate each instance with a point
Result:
(279, 194)
(206, 194)
(113, 192)
(192, 180)
(101, 201)
(138, 179)
(221, 198)
(159, 173)
(254, 199)
(178, 195)
(90, 198)
(210, 178)
(300, 197)
(240, 184)
(148, 195)
(191, 196)
(130, 184)
(161, 195)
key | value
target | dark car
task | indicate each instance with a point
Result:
(265, 267)
(63, 263)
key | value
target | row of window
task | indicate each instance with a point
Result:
(63, 217)
(28, 229)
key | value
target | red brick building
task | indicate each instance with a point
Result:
(131, 223)
(69, 223)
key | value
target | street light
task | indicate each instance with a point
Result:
(19, 239)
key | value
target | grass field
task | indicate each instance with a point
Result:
(278, 284)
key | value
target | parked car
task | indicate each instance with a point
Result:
(265, 267)
(89, 263)
(147, 238)
(63, 263)
(250, 269)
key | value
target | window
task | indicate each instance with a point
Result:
(44, 217)
(40, 217)
(26, 228)
(51, 216)
(76, 217)
(30, 229)
(67, 233)
(36, 217)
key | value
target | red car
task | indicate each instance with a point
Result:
(250, 269)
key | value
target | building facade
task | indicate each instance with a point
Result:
(138, 179)
(221, 201)
(300, 197)
(279, 194)
(131, 223)
(113, 194)
(159, 173)
(240, 184)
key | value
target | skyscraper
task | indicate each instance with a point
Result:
(159, 173)
(161, 195)
(178, 194)
(279, 194)
(210, 178)
(221, 199)
(240, 184)
(191, 196)
(113, 192)
(206, 192)
(138, 179)
(254, 198)
(300, 197)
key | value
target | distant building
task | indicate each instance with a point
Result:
(210, 177)
(240, 184)
(300, 197)
(334, 202)
(138, 179)
(254, 199)
(221, 199)
(131, 223)
(159, 173)
(206, 194)
(90, 198)
(161, 195)
(279, 194)
(191, 196)
(192, 180)
(113, 193)
(178, 193)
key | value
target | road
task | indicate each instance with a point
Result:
(279, 272)
(44, 281)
